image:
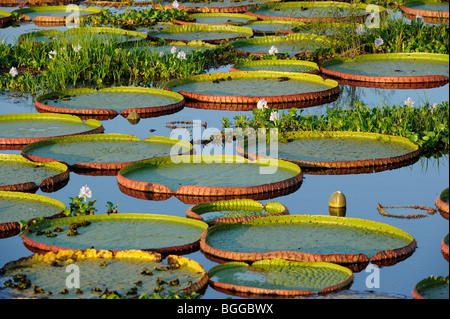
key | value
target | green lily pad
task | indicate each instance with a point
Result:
(19, 174)
(45, 36)
(101, 151)
(55, 14)
(245, 87)
(206, 33)
(221, 18)
(279, 277)
(214, 6)
(156, 47)
(442, 203)
(307, 238)
(432, 288)
(277, 65)
(126, 274)
(431, 11)
(213, 175)
(103, 34)
(234, 210)
(273, 27)
(160, 233)
(6, 19)
(444, 247)
(291, 44)
(25, 128)
(112, 101)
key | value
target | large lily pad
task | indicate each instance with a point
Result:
(245, 87)
(218, 18)
(234, 210)
(214, 6)
(156, 47)
(117, 232)
(19, 174)
(308, 238)
(344, 150)
(390, 68)
(101, 151)
(432, 288)
(17, 206)
(291, 44)
(273, 27)
(103, 34)
(206, 33)
(277, 65)
(432, 11)
(442, 203)
(210, 176)
(444, 247)
(6, 18)
(112, 101)
(305, 11)
(278, 277)
(17, 130)
(45, 36)
(126, 274)
(55, 15)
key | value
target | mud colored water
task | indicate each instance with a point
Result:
(250, 87)
(117, 101)
(16, 173)
(15, 210)
(39, 128)
(307, 238)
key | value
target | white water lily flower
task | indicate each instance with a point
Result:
(175, 4)
(262, 104)
(274, 116)
(273, 50)
(51, 54)
(181, 55)
(434, 107)
(85, 191)
(77, 48)
(173, 50)
(360, 30)
(409, 102)
(378, 41)
(13, 71)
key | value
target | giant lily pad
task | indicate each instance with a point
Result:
(212, 175)
(432, 11)
(432, 288)
(308, 238)
(55, 15)
(442, 203)
(291, 44)
(101, 151)
(390, 68)
(103, 34)
(17, 206)
(218, 18)
(6, 18)
(19, 174)
(304, 11)
(278, 277)
(277, 65)
(127, 274)
(234, 210)
(214, 6)
(444, 247)
(174, 47)
(17, 130)
(112, 101)
(245, 87)
(45, 36)
(339, 150)
(273, 27)
(206, 33)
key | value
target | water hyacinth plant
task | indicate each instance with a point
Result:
(80, 205)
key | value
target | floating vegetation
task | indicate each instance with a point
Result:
(429, 210)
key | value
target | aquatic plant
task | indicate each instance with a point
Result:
(80, 205)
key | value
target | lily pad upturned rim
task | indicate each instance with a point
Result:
(441, 205)
(206, 15)
(380, 257)
(195, 212)
(233, 288)
(12, 228)
(52, 19)
(48, 185)
(6, 18)
(428, 282)
(241, 32)
(386, 79)
(292, 4)
(333, 88)
(143, 111)
(50, 257)
(426, 14)
(208, 191)
(96, 126)
(180, 249)
(274, 39)
(314, 67)
(374, 162)
(211, 8)
(444, 247)
(98, 137)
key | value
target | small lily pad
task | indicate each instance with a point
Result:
(432, 288)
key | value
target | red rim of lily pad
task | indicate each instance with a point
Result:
(429, 16)
(113, 166)
(329, 93)
(5, 20)
(48, 185)
(442, 206)
(144, 112)
(416, 80)
(210, 9)
(444, 247)
(208, 191)
(43, 20)
(234, 204)
(385, 257)
(19, 142)
(431, 281)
